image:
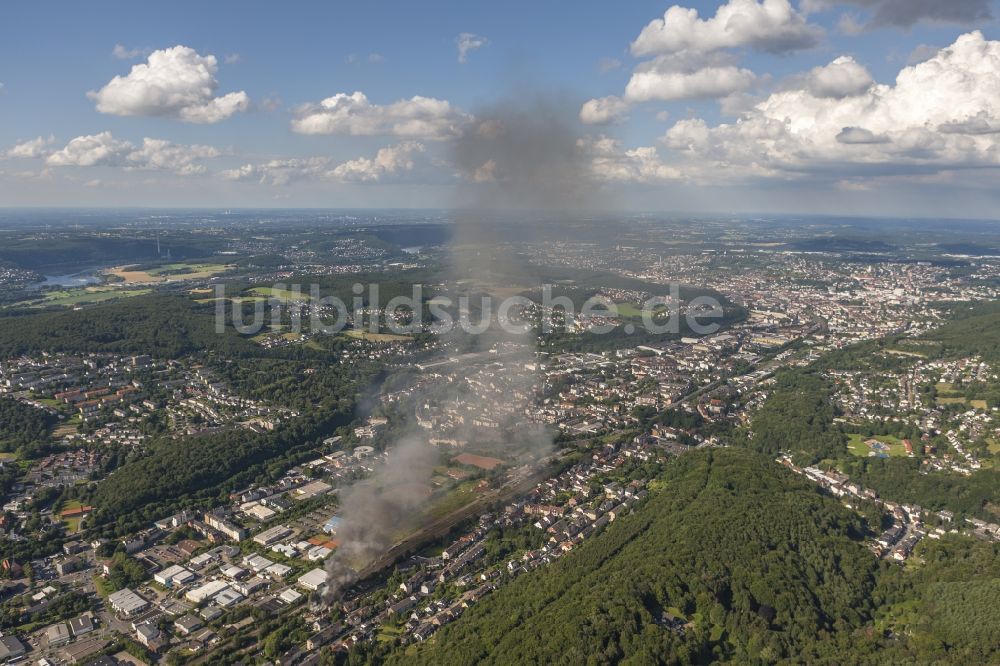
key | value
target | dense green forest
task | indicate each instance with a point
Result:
(976, 330)
(798, 417)
(165, 326)
(760, 564)
(23, 427)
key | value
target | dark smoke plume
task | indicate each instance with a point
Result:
(516, 157)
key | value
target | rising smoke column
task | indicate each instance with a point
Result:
(376, 510)
(518, 156)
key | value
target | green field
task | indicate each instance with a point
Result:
(456, 498)
(83, 296)
(629, 310)
(275, 331)
(283, 294)
(376, 337)
(236, 299)
(180, 269)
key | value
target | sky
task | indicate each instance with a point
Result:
(846, 107)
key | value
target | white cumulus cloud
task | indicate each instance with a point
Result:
(32, 149)
(387, 161)
(603, 111)
(279, 171)
(175, 83)
(92, 150)
(843, 77)
(154, 154)
(353, 114)
(158, 154)
(609, 161)
(691, 57)
(670, 78)
(939, 115)
(766, 25)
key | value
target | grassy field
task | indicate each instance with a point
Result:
(948, 394)
(459, 496)
(86, 296)
(976, 404)
(629, 310)
(283, 294)
(376, 337)
(203, 269)
(856, 445)
(268, 335)
(102, 586)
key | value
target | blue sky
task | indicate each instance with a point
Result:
(671, 147)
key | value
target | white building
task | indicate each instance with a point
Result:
(312, 580)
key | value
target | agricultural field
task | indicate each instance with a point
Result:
(948, 394)
(167, 273)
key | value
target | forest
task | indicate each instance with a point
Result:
(22, 427)
(162, 325)
(798, 417)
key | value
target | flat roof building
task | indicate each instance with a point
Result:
(127, 603)
(11, 648)
(312, 580)
(58, 634)
(81, 625)
(206, 591)
(272, 535)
